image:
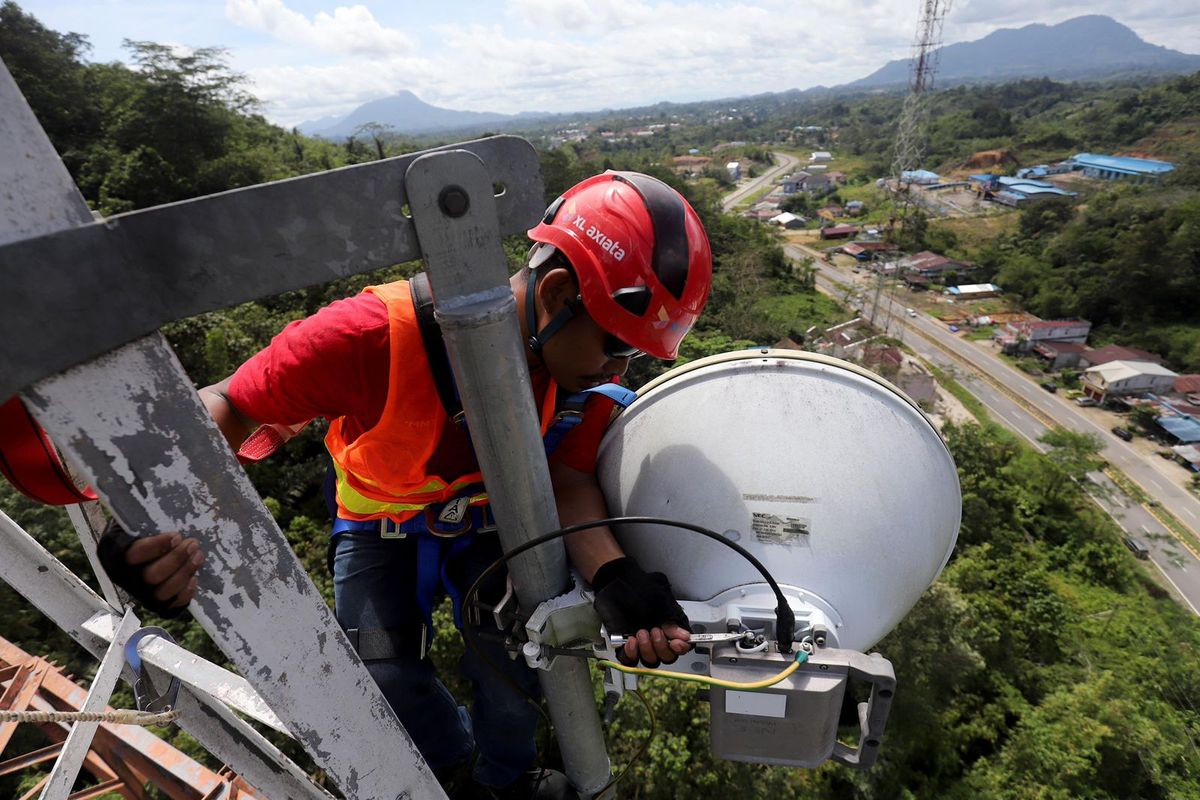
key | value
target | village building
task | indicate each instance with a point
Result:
(931, 264)
(1180, 428)
(1188, 385)
(858, 251)
(1022, 336)
(734, 170)
(1011, 191)
(1188, 455)
(885, 360)
(1125, 378)
(920, 177)
(839, 231)
(821, 155)
(1116, 352)
(788, 220)
(1121, 168)
(846, 339)
(1060, 355)
(919, 386)
(794, 183)
(1042, 170)
(818, 184)
(974, 291)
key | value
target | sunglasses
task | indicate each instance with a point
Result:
(615, 348)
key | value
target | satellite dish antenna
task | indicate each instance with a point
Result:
(831, 477)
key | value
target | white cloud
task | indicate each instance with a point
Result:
(563, 55)
(350, 30)
(573, 16)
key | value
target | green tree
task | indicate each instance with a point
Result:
(1144, 416)
(1075, 453)
(48, 68)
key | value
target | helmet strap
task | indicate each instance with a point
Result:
(538, 338)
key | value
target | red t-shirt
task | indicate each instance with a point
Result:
(336, 363)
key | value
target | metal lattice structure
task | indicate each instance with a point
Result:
(109, 391)
(909, 147)
(122, 759)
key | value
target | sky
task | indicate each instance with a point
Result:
(308, 59)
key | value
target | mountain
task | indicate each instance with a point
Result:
(404, 112)
(1084, 47)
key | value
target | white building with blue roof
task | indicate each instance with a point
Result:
(1015, 191)
(1121, 168)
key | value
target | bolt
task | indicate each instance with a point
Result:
(454, 201)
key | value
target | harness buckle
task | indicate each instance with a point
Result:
(394, 533)
(458, 508)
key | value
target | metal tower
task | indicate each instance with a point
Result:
(909, 148)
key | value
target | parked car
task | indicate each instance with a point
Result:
(1122, 433)
(1049, 387)
(910, 312)
(954, 329)
(1085, 402)
(1137, 547)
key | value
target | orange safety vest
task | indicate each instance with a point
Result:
(384, 472)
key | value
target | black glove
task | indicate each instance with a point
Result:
(111, 549)
(628, 599)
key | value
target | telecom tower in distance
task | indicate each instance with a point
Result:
(910, 130)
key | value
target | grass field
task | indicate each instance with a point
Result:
(798, 311)
(972, 233)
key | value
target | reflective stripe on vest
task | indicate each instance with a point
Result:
(383, 471)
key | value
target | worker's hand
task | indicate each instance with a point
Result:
(640, 605)
(159, 571)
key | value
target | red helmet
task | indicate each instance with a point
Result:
(640, 255)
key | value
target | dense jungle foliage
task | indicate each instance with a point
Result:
(1043, 664)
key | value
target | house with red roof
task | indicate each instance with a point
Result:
(839, 231)
(1022, 336)
(931, 264)
(1116, 352)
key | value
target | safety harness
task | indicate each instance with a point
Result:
(440, 532)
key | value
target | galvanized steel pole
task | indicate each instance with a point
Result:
(451, 197)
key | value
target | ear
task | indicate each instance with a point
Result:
(556, 288)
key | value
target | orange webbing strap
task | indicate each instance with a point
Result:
(29, 461)
(265, 440)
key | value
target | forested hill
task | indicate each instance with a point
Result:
(1043, 664)
(1084, 47)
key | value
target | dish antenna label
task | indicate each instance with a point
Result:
(773, 529)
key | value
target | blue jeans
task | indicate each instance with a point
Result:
(374, 580)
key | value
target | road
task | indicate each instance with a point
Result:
(1177, 564)
(785, 164)
(1016, 402)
